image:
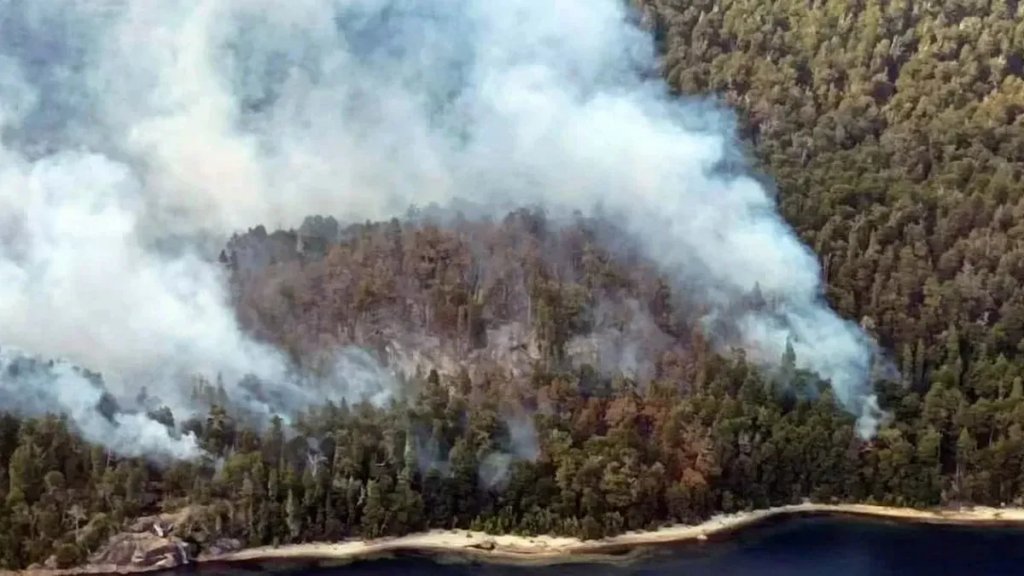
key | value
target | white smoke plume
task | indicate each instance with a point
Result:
(133, 132)
(39, 387)
(496, 467)
(623, 341)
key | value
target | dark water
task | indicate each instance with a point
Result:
(814, 546)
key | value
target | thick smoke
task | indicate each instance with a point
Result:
(39, 387)
(133, 132)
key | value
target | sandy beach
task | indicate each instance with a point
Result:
(553, 549)
(557, 550)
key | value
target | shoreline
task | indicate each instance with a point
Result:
(562, 549)
(511, 549)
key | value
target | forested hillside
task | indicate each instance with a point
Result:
(895, 134)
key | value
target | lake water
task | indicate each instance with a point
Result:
(814, 546)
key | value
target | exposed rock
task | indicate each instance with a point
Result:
(223, 546)
(142, 550)
(142, 524)
(162, 529)
(161, 525)
(118, 550)
(167, 554)
(154, 524)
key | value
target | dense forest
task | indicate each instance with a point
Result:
(895, 134)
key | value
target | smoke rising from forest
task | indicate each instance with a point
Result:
(135, 135)
(38, 387)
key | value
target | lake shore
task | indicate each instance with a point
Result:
(556, 549)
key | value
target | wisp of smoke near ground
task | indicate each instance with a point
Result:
(133, 131)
